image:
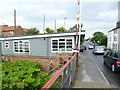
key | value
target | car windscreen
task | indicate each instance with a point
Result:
(99, 47)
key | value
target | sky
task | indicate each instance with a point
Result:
(95, 15)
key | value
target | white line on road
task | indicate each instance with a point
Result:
(103, 75)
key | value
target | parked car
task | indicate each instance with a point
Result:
(112, 59)
(105, 48)
(82, 48)
(98, 50)
(90, 46)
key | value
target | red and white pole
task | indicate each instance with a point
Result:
(77, 28)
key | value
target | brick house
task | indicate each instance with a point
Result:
(11, 31)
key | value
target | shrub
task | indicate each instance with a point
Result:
(23, 75)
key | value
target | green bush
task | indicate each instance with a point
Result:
(23, 75)
(0, 74)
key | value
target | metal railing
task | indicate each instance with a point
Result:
(64, 77)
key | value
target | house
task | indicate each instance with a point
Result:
(11, 30)
(114, 34)
(39, 45)
(114, 39)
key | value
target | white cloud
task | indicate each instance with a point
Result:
(109, 15)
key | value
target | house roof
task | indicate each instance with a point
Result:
(7, 28)
(114, 29)
(42, 36)
(25, 29)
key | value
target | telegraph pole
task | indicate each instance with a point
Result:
(55, 25)
(64, 21)
(44, 24)
(14, 19)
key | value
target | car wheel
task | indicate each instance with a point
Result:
(113, 68)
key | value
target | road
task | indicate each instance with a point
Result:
(112, 78)
(93, 73)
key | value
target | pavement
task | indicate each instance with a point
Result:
(88, 75)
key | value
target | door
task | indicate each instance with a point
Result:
(113, 58)
(107, 57)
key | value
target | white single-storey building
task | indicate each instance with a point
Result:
(39, 45)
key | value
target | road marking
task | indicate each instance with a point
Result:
(103, 75)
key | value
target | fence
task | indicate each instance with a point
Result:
(64, 77)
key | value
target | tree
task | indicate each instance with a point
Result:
(73, 29)
(48, 30)
(32, 31)
(100, 38)
(104, 40)
(61, 29)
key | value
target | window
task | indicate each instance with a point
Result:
(115, 38)
(110, 39)
(11, 32)
(22, 46)
(115, 46)
(69, 44)
(115, 31)
(113, 54)
(61, 45)
(6, 44)
(108, 53)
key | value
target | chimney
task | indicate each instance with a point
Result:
(118, 24)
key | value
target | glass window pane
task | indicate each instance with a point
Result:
(69, 45)
(54, 45)
(21, 46)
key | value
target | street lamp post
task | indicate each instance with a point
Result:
(64, 21)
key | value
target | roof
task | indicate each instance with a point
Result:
(25, 29)
(42, 36)
(7, 28)
(114, 29)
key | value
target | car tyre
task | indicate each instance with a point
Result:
(104, 62)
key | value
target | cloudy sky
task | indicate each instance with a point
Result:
(96, 15)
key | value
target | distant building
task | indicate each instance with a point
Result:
(12, 31)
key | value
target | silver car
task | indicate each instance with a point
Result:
(90, 46)
(98, 50)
